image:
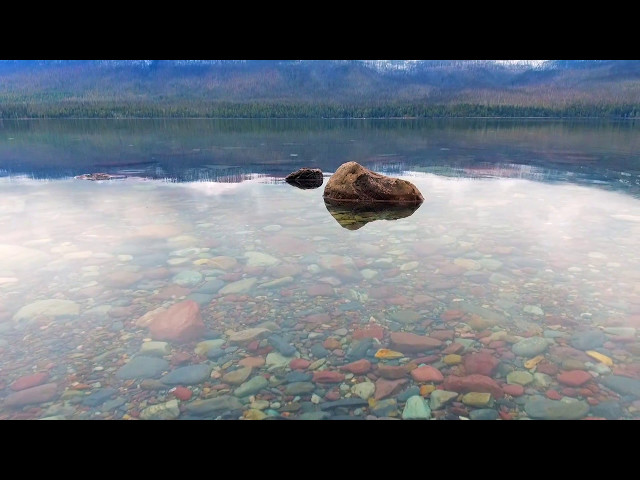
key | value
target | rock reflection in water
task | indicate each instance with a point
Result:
(354, 217)
(305, 184)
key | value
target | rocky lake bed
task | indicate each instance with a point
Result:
(158, 301)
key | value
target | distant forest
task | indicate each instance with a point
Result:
(317, 89)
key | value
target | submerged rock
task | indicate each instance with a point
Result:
(416, 408)
(182, 322)
(223, 403)
(251, 387)
(305, 178)
(33, 395)
(243, 337)
(530, 347)
(353, 183)
(439, 398)
(567, 408)
(189, 375)
(411, 343)
(483, 414)
(155, 349)
(622, 385)
(29, 381)
(163, 411)
(587, 340)
(473, 383)
(47, 308)
(142, 367)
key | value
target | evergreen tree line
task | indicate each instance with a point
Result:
(190, 108)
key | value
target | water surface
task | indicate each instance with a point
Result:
(522, 265)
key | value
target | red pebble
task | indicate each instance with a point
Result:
(451, 315)
(482, 363)
(253, 362)
(548, 368)
(453, 348)
(427, 373)
(182, 393)
(327, 376)
(592, 401)
(29, 381)
(508, 355)
(593, 387)
(442, 334)
(553, 395)
(426, 359)
(463, 412)
(372, 331)
(332, 395)
(574, 378)
(570, 392)
(299, 364)
(505, 415)
(513, 390)
(180, 358)
(358, 367)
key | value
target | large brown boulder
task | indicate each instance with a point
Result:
(352, 183)
(182, 322)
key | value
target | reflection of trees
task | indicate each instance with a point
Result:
(231, 150)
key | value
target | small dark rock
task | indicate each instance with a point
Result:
(305, 178)
(98, 176)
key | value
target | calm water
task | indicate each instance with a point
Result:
(519, 274)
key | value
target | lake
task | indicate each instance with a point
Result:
(200, 285)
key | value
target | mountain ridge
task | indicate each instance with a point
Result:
(204, 87)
